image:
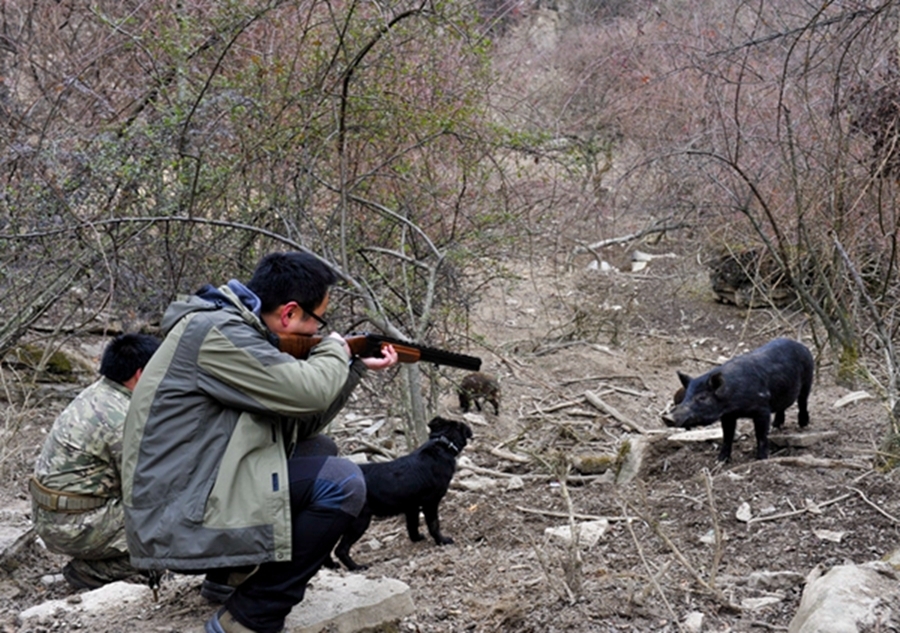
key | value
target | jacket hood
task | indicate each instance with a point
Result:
(233, 296)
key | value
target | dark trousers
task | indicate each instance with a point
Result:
(326, 494)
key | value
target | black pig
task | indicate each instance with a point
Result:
(753, 385)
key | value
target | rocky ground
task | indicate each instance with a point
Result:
(687, 539)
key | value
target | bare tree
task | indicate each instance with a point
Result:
(152, 148)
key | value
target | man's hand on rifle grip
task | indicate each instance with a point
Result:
(387, 359)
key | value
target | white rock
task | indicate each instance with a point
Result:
(111, 597)
(847, 599)
(475, 418)
(693, 622)
(340, 603)
(52, 579)
(710, 537)
(713, 433)
(476, 483)
(588, 536)
(829, 535)
(515, 483)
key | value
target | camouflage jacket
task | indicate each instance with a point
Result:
(83, 455)
(83, 452)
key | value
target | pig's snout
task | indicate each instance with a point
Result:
(668, 420)
(667, 416)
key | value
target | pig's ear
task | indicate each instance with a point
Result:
(716, 380)
(685, 379)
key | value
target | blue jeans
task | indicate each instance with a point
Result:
(327, 493)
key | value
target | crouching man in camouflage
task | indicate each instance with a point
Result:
(76, 490)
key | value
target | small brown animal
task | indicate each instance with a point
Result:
(478, 387)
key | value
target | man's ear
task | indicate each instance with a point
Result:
(131, 382)
(286, 312)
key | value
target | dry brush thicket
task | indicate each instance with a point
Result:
(151, 149)
(435, 158)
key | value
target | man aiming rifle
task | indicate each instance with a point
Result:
(224, 472)
(211, 478)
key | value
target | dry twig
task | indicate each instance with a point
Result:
(651, 575)
(717, 530)
(698, 578)
(785, 515)
(807, 461)
(878, 508)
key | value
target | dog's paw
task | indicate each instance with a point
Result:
(415, 538)
(445, 540)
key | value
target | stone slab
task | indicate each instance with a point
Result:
(344, 603)
(711, 433)
(111, 597)
(848, 599)
(588, 536)
(335, 602)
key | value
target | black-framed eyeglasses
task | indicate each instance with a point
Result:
(322, 322)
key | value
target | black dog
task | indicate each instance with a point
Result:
(406, 485)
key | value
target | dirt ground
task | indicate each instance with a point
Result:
(550, 338)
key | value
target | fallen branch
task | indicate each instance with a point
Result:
(572, 381)
(786, 515)
(874, 505)
(767, 625)
(375, 448)
(555, 407)
(658, 227)
(595, 400)
(497, 451)
(583, 479)
(808, 461)
(555, 347)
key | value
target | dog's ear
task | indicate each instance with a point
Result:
(467, 430)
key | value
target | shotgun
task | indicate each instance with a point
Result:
(366, 344)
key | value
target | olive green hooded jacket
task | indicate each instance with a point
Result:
(209, 430)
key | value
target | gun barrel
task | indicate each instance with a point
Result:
(426, 354)
(367, 344)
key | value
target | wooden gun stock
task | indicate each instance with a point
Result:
(366, 344)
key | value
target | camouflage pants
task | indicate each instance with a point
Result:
(95, 540)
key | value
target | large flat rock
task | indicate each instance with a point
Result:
(116, 596)
(335, 602)
(340, 603)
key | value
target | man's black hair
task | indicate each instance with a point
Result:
(125, 354)
(293, 276)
